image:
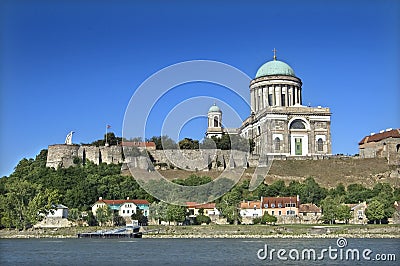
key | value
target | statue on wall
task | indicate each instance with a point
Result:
(68, 139)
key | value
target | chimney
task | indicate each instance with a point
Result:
(127, 198)
(100, 198)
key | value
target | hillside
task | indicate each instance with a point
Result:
(328, 173)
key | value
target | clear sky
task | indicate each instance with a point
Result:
(74, 65)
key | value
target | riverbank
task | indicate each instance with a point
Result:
(227, 231)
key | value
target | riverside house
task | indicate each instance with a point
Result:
(309, 213)
(125, 208)
(209, 209)
(286, 209)
(250, 210)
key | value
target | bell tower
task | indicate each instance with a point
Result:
(214, 122)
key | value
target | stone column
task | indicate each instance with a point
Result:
(301, 100)
(252, 100)
(280, 95)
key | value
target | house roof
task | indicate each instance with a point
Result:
(200, 205)
(141, 202)
(250, 204)
(394, 133)
(276, 200)
(309, 207)
(120, 202)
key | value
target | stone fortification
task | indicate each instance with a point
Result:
(63, 155)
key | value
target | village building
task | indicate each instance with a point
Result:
(250, 210)
(279, 123)
(124, 208)
(309, 213)
(281, 206)
(385, 144)
(209, 209)
(358, 213)
(56, 218)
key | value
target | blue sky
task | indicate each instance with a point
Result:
(74, 65)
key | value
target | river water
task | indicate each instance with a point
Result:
(199, 251)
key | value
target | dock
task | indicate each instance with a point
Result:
(123, 232)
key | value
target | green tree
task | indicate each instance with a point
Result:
(138, 216)
(158, 211)
(103, 215)
(375, 211)
(228, 205)
(268, 219)
(329, 209)
(176, 213)
(189, 144)
(343, 213)
(202, 219)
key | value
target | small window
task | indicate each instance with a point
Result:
(279, 205)
(277, 144)
(279, 212)
(123, 211)
(320, 145)
(283, 99)
(216, 122)
(259, 130)
(266, 206)
(273, 212)
(272, 205)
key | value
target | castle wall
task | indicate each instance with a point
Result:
(61, 155)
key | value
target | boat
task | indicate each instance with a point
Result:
(122, 232)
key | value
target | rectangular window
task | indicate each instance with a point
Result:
(123, 211)
(272, 205)
(279, 212)
(273, 212)
(266, 206)
(283, 99)
(279, 205)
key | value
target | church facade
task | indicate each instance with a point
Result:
(279, 123)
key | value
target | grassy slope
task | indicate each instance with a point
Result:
(328, 173)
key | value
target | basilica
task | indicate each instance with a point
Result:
(279, 123)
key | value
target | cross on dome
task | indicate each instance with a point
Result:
(274, 53)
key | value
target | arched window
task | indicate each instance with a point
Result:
(398, 147)
(216, 123)
(277, 144)
(320, 145)
(297, 124)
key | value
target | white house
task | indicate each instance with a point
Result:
(125, 208)
(250, 210)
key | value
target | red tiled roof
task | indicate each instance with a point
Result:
(250, 204)
(141, 201)
(200, 206)
(394, 133)
(120, 202)
(309, 207)
(138, 144)
(276, 200)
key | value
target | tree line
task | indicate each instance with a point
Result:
(34, 188)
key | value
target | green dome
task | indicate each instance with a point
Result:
(214, 108)
(275, 67)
